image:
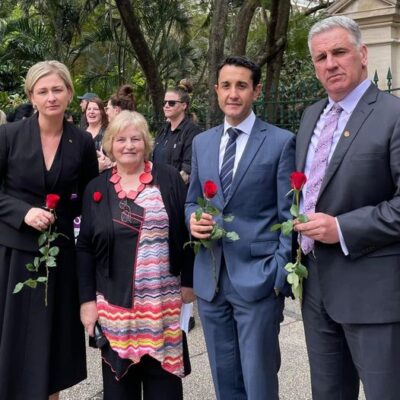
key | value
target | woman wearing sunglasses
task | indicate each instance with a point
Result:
(173, 145)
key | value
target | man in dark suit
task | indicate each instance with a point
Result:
(239, 308)
(351, 306)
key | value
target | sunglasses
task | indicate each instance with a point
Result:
(171, 103)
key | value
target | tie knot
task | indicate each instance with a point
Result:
(336, 109)
(233, 133)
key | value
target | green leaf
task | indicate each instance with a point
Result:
(297, 292)
(31, 283)
(51, 262)
(42, 279)
(36, 262)
(233, 236)
(30, 267)
(42, 239)
(275, 227)
(294, 210)
(54, 250)
(18, 287)
(201, 202)
(302, 218)
(44, 250)
(229, 218)
(290, 278)
(287, 227)
(293, 279)
(289, 267)
(212, 210)
(301, 271)
(217, 233)
(198, 214)
(196, 247)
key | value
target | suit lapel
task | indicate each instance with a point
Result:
(34, 154)
(357, 118)
(307, 126)
(256, 138)
(68, 148)
(211, 158)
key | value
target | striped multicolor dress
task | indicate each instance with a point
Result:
(151, 326)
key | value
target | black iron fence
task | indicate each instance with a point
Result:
(288, 103)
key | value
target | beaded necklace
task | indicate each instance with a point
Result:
(144, 178)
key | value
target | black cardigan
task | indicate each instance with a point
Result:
(96, 237)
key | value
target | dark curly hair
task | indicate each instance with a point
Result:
(124, 98)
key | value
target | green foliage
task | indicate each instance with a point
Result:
(89, 37)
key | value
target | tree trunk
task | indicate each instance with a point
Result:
(144, 55)
(275, 47)
(242, 26)
(215, 56)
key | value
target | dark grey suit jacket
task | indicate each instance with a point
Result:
(361, 189)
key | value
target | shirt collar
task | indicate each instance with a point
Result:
(245, 126)
(350, 102)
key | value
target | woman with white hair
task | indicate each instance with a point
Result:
(132, 267)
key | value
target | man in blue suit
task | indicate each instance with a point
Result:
(241, 301)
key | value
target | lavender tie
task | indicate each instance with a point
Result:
(318, 168)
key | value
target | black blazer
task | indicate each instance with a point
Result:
(95, 243)
(22, 183)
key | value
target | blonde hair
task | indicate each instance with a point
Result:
(3, 117)
(124, 119)
(44, 68)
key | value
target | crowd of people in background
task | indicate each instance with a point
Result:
(129, 276)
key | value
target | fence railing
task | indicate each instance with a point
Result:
(287, 105)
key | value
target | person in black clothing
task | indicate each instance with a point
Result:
(173, 145)
(21, 112)
(42, 348)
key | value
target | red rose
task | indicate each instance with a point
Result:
(210, 189)
(52, 201)
(297, 180)
(97, 196)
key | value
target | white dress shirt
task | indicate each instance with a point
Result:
(245, 126)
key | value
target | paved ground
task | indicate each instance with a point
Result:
(294, 374)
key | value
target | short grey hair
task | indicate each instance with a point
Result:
(338, 21)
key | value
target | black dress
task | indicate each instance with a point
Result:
(42, 349)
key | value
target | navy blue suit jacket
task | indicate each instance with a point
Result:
(257, 200)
